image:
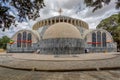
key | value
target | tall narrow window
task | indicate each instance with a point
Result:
(19, 40)
(65, 20)
(49, 22)
(94, 39)
(45, 22)
(69, 21)
(29, 40)
(104, 39)
(53, 21)
(61, 20)
(57, 20)
(24, 39)
(99, 39)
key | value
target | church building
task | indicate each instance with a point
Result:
(61, 35)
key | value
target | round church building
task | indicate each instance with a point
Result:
(61, 35)
(62, 38)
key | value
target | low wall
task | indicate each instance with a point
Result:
(102, 49)
(14, 49)
(20, 50)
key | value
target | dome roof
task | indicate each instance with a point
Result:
(57, 19)
(62, 30)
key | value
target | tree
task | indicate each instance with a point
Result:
(3, 42)
(5, 18)
(25, 9)
(98, 4)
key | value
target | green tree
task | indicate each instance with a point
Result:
(98, 4)
(5, 18)
(3, 42)
(25, 9)
(112, 25)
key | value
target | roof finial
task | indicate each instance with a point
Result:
(60, 11)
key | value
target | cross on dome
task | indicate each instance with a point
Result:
(60, 11)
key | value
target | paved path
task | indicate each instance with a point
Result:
(10, 74)
(9, 61)
(92, 56)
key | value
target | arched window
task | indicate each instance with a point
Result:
(61, 19)
(104, 39)
(29, 40)
(79, 23)
(69, 21)
(24, 39)
(57, 20)
(45, 22)
(19, 40)
(99, 39)
(65, 20)
(53, 21)
(94, 39)
(49, 22)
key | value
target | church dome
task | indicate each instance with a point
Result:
(62, 30)
(57, 19)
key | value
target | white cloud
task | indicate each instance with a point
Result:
(69, 7)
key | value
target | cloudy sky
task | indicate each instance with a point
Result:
(72, 8)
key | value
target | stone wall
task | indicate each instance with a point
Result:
(14, 49)
(61, 46)
(101, 50)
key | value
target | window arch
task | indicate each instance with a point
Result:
(19, 40)
(104, 39)
(61, 19)
(49, 22)
(53, 21)
(69, 21)
(99, 39)
(79, 23)
(45, 22)
(94, 39)
(65, 20)
(24, 39)
(57, 20)
(29, 40)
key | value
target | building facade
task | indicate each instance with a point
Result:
(61, 35)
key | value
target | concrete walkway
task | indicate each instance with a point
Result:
(17, 61)
(90, 56)
(10, 74)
